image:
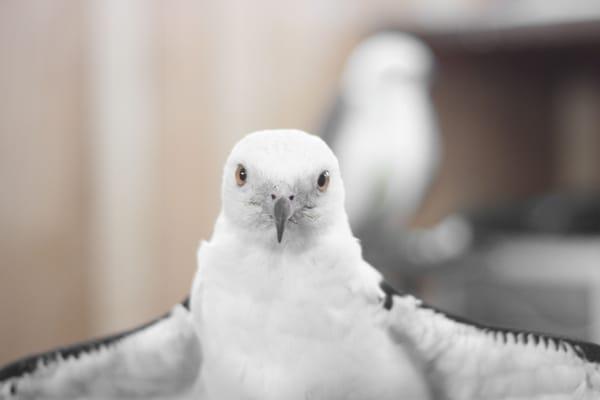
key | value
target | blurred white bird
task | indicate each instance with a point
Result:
(384, 130)
(284, 307)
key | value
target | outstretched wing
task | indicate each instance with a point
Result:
(465, 361)
(160, 359)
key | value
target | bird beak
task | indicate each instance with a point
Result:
(282, 211)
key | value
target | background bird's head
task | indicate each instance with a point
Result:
(387, 61)
(283, 186)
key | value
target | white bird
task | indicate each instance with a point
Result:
(384, 131)
(283, 306)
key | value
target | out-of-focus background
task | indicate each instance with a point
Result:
(116, 117)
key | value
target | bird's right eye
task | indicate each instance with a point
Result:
(323, 181)
(241, 175)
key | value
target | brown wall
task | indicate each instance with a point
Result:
(42, 198)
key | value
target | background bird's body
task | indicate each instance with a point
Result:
(283, 323)
(385, 131)
(389, 149)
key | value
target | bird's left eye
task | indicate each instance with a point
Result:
(323, 181)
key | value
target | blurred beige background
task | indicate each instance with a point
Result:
(116, 116)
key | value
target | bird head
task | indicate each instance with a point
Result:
(282, 186)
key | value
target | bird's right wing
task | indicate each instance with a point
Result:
(465, 361)
(159, 360)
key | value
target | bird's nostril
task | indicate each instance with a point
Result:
(273, 196)
(291, 197)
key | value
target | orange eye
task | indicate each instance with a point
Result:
(323, 181)
(241, 175)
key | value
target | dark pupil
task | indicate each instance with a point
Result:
(243, 174)
(322, 179)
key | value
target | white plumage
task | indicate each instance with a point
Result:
(304, 317)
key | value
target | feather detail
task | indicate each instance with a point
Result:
(465, 361)
(162, 358)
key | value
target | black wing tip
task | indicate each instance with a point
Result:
(19, 368)
(30, 364)
(186, 303)
(588, 351)
(389, 292)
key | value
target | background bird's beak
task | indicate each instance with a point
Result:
(282, 211)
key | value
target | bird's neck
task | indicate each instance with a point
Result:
(247, 262)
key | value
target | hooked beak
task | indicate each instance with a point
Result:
(282, 212)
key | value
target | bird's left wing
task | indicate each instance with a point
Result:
(158, 360)
(465, 361)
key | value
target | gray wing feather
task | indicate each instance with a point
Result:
(158, 360)
(467, 361)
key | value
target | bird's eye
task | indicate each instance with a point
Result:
(241, 175)
(323, 181)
